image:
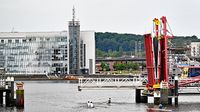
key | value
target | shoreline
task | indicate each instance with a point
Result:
(62, 78)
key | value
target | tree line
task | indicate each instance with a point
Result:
(117, 45)
(122, 66)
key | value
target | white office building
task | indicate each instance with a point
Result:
(195, 49)
(43, 52)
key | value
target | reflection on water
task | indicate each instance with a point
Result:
(51, 96)
(11, 109)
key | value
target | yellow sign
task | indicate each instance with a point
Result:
(156, 21)
(184, 73)
(156, 86)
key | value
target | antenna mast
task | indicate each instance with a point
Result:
(73, 13)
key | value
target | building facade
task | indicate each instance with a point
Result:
(74, 46)
(87, 52)
(46, 53)
(34, 52)
(81, 49)
(195, 49)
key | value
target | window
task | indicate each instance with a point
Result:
(16, 41)
(33, 39)
(58, 39)
(2, 41)
(24, 40)
(9, 41)
(41, 39)
(64, 39)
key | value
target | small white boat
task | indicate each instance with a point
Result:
(90, 104)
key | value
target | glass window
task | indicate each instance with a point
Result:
(16, 41)
(58, 39)
(41, 39)
(2, 41)
(64, 39)
(24, 40)
(9, 41)
(33, 39)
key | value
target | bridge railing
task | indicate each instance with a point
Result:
(111, 82)
(133, 82)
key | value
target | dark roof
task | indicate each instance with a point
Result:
(121, 59)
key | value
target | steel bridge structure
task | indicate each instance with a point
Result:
(111, 83)
(186, 86)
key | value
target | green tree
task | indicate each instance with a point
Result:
(100, 53)
(105, 66)
(119, 66)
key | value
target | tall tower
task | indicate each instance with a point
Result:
(74, 45)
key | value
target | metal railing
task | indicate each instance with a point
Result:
(5, 82)
(131, 83)
(92, 83)
(2, 83)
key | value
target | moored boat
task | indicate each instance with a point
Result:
(71, 77)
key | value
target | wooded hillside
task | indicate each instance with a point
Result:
(116, 45)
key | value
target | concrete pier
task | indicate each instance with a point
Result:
(20, 98)
(140, 98)
(137, 95)
(156, 96)
(8, 98)
(170, 94)
(169, 101)
(144, 99)
(176, 92)
(164, 96)
(20, 95)
(1, 97)
(7, 93)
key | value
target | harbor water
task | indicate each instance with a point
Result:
(62, 96)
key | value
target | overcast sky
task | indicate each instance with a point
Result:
(122, 16)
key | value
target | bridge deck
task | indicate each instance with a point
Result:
(131, 83)
(109, 83)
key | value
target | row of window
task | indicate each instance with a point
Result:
(58, 39)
